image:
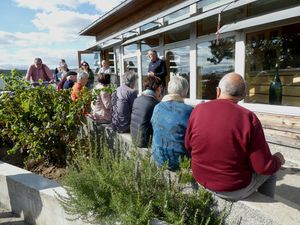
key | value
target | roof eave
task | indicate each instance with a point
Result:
(87, 29)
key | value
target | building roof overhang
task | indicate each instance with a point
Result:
(118, 13)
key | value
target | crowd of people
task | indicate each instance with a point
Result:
(229, 153)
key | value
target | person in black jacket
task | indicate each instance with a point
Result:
(140, 126)
(157, 67)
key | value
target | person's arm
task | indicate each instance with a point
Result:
(261, 159)
(29, 73)
(188, 131)
(48, 73)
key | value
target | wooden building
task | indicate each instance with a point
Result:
(203, 40)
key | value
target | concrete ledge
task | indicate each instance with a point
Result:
(32, 197)
(258, 209)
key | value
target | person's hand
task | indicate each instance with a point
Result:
(280, 156)
(150, 73)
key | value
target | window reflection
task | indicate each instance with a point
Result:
(130, 64)
(213, 62)
(178, 34)
(149, 27)
(129, 49)
(178, 62)
(177, 16)
(265, 49)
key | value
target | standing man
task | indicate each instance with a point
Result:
(157, 67)
(39, 71)
(230, 155)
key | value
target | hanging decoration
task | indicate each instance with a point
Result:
(219, 22)
(218, 29)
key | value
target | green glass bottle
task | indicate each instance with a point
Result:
(275, 91)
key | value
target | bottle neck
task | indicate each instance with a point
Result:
(276, 77)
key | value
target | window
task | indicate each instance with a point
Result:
(130, 64)
(178, 34)
(206, 5)
(261, 7)
(178, 62)
(265, 49)
(209, 24)
(130, 34)
(213, 62)
(129, 49)
(177, 16)
(149, 27)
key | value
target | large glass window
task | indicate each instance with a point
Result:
(177, 16)
(261, 7)
(209, 25)
(130, 64)
(213, 62)
(206, 5)
(265, 49)
(178, 62)
(178, 34)
(129, 49)
(149, 27)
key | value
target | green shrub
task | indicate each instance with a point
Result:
(109, 186)
(39, 121)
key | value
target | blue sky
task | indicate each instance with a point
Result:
(47, 29)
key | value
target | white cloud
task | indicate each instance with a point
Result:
(52, 5)
(48, 6)
(58, 24)
(103, 5)
(63, 25)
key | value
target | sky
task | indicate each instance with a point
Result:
(47, 29)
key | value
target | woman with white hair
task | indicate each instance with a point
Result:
(82, 78)
(169, 122)
(122, 102)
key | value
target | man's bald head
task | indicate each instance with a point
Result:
(232, 86)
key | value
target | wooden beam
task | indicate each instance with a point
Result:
(280, 122)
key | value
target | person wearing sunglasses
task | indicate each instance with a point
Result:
(85, 67)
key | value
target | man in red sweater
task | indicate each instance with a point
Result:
(230, 156)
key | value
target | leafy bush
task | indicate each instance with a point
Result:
(39, 121)
(109, 186)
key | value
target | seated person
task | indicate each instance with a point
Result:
(122, 102)
(82, 79)
(101, 107)
(140, 126)
(230, 155)
(169, 121)
(71, 78)
(104, 67)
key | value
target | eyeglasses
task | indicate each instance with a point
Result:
(83, 64)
